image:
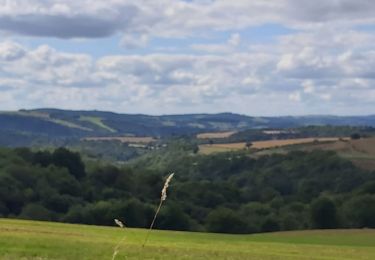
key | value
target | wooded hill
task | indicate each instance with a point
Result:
(30, 127)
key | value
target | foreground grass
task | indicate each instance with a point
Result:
(45, 240)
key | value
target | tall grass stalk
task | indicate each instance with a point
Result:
(163, 197)
(117, 247)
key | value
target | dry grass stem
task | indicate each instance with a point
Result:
(163, 197)
(117, 247)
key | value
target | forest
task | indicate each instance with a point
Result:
(225, 193)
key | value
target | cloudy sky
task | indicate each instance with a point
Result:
(255, 57)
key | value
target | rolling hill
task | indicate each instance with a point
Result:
(24, 127)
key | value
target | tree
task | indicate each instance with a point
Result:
(360, 211)
(58, 203)
(25, 153)
(42, 158)
(35, 212)
(172, 217)
(72, 161)
(3, 209)
(270, 224)
(324, 214)
(355, 136)
(224, 220)
(195, 149)
(105, 175)
(248, 145)
(211, 199)
(136, 213)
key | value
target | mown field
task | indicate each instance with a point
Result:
(361, 152)
(225, 147)
(213, 135)
(45, 240)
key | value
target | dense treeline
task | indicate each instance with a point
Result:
(317, 131)
(227, 192)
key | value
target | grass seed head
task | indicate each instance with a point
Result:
(166, 185)
(119, 223)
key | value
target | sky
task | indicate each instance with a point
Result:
(253, 57)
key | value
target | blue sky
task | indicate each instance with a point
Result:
(283, 57)
(100, 47)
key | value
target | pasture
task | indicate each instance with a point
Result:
(46, 240)
(123, 139)
(98, 122)
(361, 152)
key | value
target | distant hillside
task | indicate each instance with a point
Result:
(25, 126)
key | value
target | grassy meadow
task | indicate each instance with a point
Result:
(45, 240)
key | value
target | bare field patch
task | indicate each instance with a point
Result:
(276, 143)
(215, 135)
(217, 148)
(366, 145)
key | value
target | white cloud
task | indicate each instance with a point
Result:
(234, 40)
(165, 18)
(325, 96)
(327, 63)
(295, 96)
(134, 41)
(230, 46)
(308, 86)
(10, 51)
(163, 83)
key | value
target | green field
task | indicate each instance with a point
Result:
(98, 122)
(45, 240)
